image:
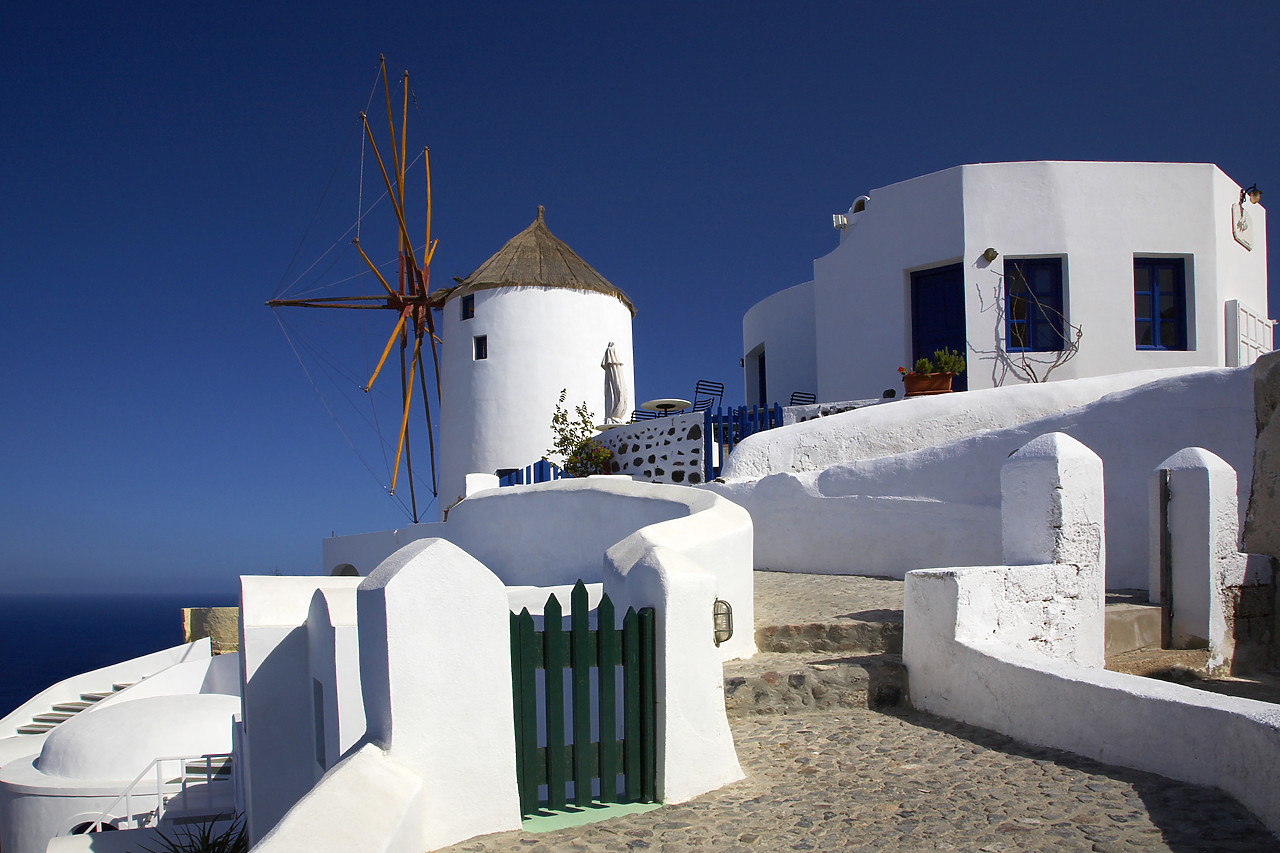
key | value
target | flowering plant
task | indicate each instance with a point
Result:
(575, 443)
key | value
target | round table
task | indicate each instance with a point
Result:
(666, 405)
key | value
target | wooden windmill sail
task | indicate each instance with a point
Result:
(409, 298)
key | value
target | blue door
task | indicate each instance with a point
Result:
(937, 315)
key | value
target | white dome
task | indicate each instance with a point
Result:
(119, 740)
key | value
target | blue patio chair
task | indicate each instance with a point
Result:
(643, 415)
(803, 398)
(707, 395)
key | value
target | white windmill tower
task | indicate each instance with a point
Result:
(533, 319)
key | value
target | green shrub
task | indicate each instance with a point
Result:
(205, 837)
(575, 448)
(948, 361)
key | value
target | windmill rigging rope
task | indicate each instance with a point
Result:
(324, 402)
(355, 226)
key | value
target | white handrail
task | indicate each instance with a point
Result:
(161, 800)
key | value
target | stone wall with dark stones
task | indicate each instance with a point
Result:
(800, 414)
(663, 450)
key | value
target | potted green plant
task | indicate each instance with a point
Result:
(933, 377)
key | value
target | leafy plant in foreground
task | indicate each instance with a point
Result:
(575, 448)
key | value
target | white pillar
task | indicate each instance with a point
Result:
(1052, 512)
(1204, 535)
(435, 669)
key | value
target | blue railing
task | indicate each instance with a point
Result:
(724, 428)
(541, 471)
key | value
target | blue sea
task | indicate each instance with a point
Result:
(46, 638)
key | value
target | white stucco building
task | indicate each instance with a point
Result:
(1158, 264)
(531, 321)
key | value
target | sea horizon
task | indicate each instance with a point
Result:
(50, 636)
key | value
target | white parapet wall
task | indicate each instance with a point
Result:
(985, 646)
(956, 670)
(281, 714)
(916, 483)
(554, 534)
(435, 657)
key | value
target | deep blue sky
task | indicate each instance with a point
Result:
(159, 163)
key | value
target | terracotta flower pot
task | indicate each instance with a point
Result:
(920, 384)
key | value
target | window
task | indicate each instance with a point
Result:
(468, 306)
(1160, 303)
(1034, 319)
(480, 347)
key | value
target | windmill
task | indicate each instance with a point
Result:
(409, 298)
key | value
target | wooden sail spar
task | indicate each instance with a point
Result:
(410, 298)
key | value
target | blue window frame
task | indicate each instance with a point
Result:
(468, 306)
(1160, 303)
(1034, 319)
(480, 347)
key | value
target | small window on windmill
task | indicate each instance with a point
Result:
(480, 347)
(468, 306)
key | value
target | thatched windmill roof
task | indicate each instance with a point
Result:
(537, 258)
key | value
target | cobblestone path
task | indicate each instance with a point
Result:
(908, 781)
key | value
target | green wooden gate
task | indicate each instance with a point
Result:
(622, 768)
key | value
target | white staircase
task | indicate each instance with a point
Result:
(63, 711)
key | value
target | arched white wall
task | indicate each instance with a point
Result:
(496, 412)
(784, 324)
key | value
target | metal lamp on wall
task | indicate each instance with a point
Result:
(722, 619)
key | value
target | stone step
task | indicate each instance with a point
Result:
(784, 683)
(35, 728)
(858, 636)
(53, 717)
(1131, 626)
(73, 707)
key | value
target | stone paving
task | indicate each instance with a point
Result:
(856, 779)
(785, 598)
(908, 781)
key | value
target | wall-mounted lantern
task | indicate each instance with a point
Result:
(722, 619)
(990, 254)
(1253, 194)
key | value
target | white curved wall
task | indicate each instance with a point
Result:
(887, 511)
(1097, 216)
(783, 324)
(496, 412)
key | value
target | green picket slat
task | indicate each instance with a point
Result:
(530, 759)
(557, 659)
(648, 707)
(580, 644)
(608, 657)
(631, 704)
(516, 716)
(606, 647)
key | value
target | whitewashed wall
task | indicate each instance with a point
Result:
(277, 694)
(1098, 216)
(964, 644)
(782, 325)
(557, 533)
(433, 627)
(496, 413)
(1208, 570)
(888, 512)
